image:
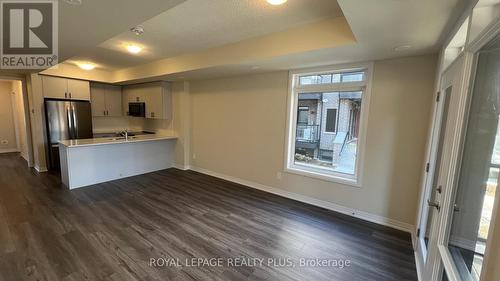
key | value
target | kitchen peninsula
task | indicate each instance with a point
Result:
(86, 162)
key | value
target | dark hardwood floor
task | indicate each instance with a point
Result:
(112, 231)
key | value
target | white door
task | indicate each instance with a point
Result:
(470, 216)
(428, 258)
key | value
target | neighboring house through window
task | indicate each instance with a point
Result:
(327, 113)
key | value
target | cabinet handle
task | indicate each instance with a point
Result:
(107, 112)
(69, 95)
(137, 98)
(104, 112)
(152, 114)
(65, 95)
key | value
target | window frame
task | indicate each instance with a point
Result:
(294, 89)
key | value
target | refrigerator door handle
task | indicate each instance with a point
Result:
(70, 122)
(75, 122)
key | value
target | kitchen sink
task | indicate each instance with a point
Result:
(121, 138)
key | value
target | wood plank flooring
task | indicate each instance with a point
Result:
(112, 231)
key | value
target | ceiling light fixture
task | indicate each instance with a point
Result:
(138, 30)
(73, 2)
(86, 65)
(402, 48)
(134, 49)
(276, 2)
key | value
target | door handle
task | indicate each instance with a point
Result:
(433, 204)
(70, 122)
(456, 208)
(75, 122)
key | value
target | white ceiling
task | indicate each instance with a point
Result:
(82, 27)
(87, 25)
(182, 27)
(379, 27)
(196, 25)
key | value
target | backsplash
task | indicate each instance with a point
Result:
(117, 124)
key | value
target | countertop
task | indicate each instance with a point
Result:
(115, 140)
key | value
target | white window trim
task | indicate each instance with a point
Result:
(293, 90)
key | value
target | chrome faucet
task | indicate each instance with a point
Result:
(124, 134)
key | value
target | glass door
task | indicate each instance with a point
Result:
(476, 191)
(431, 206)
(442, 147)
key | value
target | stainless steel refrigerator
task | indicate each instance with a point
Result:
(66, 120)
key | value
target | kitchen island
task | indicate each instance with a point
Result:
(86, 162)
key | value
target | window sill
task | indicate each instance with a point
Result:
(333, 177)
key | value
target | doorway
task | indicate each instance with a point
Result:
(460, 191)
(15, 128)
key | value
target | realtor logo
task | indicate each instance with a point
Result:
(28, 34)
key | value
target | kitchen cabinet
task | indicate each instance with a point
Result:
(78, 89)
(113, 100)
(156, 96)
(63, 88)
(106, 100)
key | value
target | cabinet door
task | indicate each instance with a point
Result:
(54, 87)
(97, 98)
(79, 89)
(129, 95)
(154, 103)
(113, 100)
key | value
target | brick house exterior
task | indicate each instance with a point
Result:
(313, 139)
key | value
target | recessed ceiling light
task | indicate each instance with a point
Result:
(134, 49)
(276, 2)
(402, 48)
(86, 65)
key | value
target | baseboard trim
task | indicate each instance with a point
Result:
(8, 150)
(418, 267)
(309, 200)
(41, 169)
(181, 167)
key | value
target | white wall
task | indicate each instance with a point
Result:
(20, 120)
(8, 141)
(238, 130)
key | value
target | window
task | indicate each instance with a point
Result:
(331, 120)
(331, 78)
(326, 127)
(303, 115)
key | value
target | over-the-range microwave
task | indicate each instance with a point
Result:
(137, 109)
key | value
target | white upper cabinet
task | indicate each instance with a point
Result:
(98, 103)
(78, 89)
(54, 87)
(113, 98)
(106, 100)
(156, 96)
(62, 88)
